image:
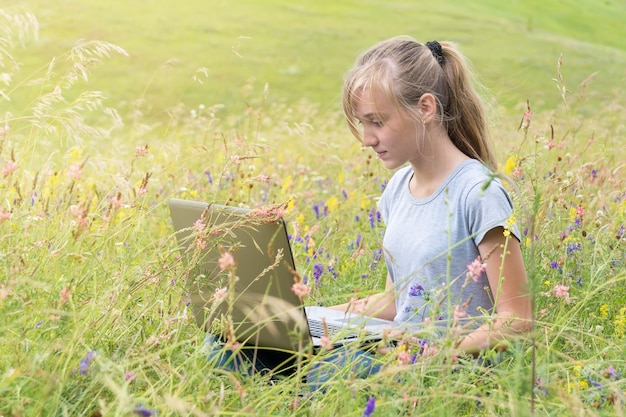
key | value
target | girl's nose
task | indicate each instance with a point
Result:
(369, 138)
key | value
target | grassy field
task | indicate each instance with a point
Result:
(303, 48)
(94, 306)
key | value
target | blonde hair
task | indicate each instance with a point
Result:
(404, 70)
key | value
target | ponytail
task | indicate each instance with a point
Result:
(463, 114)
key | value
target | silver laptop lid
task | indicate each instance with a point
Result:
(256, 296)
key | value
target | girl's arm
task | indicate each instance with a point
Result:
(381, 305)
(509, 285)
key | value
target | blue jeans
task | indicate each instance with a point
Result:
(248, 361)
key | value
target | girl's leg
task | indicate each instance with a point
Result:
(357, 362)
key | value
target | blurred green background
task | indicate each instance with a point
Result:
(302, 48)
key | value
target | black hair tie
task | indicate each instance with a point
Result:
(436, 50)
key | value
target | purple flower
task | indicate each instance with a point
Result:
(318, 270)
(316, 209)
(416, 290)
(369, 407)
(140, 410)
(610, 372)
(86, 361)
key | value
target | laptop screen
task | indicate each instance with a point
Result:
(251, 302)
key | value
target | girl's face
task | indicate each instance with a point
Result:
(394, 136)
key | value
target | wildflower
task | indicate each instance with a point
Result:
(129, 376)
(325, 343)
(200, 243)
(141, 151)
(143, 188)
(75, 172)
(220, 294)
(511, 163)
(562, 291)
(141, 410)
(475, 269)
(226, 261)
(369, 407)
(8, 168)
(580, 211)
(4, 215)
(300, 289)
(541, 388)
(86, 362)
(80, 215)
(404, 356)
(604, 310)
(318, 270)
(5, 292)
(65, 295)
(416, 290)
(610, 372)
(509, 225)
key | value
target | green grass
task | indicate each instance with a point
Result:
(303, 48)
(89, 262)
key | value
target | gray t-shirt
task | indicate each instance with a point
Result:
(429, 242)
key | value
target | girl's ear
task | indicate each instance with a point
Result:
(427, 106)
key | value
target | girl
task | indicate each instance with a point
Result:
(451, 247)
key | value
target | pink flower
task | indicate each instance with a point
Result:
(116, 201)
(580, 211)
(226, 261)
(65, 295)
(8, 168)
(220, 294)
(475, 269)
(325, 343)
(80, 215)
(75, 172)
(300, 289)
(562, 291)
(141, 150)
(4, 215)
(201, 244)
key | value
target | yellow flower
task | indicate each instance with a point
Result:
(604, 310)
(509, 225)
(511, 163)
(286, 183)
(332, 203)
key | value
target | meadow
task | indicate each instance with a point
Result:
(110, 109)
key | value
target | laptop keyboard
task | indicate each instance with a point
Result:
(316, 328)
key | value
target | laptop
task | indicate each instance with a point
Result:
(256, 294)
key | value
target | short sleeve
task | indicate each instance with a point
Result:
(488, 206)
